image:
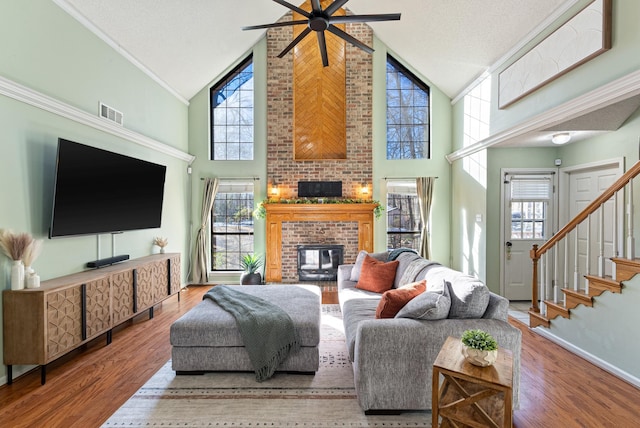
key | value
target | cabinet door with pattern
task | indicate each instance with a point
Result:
(175, 276)
(122, 297)
(160, 280)
(144, 287)
(64, 320)
(98, 307)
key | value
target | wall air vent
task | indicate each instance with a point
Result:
(111, 114)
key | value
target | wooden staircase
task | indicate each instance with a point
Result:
(551, 305)
(626, 269)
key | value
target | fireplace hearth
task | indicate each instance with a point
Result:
(319, 262)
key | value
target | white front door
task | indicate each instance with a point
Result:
(528, 218)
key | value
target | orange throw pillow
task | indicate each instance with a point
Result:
(394, 300)
(377, 276)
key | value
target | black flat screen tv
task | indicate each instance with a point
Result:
(97, 191)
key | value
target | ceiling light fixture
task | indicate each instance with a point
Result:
(561, 138)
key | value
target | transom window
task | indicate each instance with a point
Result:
(232, 225)
(403, 215)
(232, 114)
(407, 114)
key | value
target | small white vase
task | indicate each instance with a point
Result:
(17, 275)
(479, 357)
(32, 280)
(161, 250)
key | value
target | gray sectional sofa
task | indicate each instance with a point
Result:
(393, 358)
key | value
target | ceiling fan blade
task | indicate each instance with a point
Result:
(315, 5)
(364, 18)
(333, 7)
(355, 42)
(293, 8)
(322, 44)
(301, 36)
(276, 24)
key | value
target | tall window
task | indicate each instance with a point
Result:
(407, 114)
(403, 215)
(232, 115)
(232, 220)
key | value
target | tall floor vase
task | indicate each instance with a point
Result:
(17, 275)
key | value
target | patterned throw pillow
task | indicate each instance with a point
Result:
(394, 300)
(377, 276)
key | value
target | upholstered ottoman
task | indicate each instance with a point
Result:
(207, 338)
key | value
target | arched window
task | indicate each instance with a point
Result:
(232, 114)
(408, 121)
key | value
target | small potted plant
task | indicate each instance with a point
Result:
(479, 348)
(251, 263)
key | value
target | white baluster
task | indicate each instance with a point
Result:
(543, 279)
(615, 234)
(566, 265)
(576, 270)
(587, 268)
(555, 273)
(601, 242)
(631, 243)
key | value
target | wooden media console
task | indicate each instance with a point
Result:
(42, 324)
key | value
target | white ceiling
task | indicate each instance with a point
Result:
(187, 43)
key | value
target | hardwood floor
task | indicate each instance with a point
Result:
(558, 389)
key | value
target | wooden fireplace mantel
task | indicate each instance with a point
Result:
(281, 213)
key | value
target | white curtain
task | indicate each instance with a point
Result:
(424, 189)
(200, 271)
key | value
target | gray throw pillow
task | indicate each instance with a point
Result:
(355, 272)
(430, 305)
(469, 297)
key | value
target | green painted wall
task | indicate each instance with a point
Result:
(594, 332)
(45, 49)
(199, 145)
(437, 166)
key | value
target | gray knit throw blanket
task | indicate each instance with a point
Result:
(267, 331)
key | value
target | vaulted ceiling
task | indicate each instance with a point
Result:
(186, 43)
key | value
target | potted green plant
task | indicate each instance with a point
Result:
(251, 263)
(479, 348)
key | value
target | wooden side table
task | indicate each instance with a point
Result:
(471, 396)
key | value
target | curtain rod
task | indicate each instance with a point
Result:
(402, 178)
(233, 178)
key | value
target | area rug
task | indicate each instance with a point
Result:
(327, 399)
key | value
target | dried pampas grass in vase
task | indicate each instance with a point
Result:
(14, 246)
(160, 242)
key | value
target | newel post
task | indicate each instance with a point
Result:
(534, 281)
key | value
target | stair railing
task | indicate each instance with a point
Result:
(539, 254)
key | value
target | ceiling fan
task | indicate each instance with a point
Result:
(319, 20)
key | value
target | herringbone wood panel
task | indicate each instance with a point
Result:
(319, 95)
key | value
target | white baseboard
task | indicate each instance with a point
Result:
(604, 365)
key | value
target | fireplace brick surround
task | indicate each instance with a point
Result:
(285, 172)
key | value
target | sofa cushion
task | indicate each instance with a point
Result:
(430, 305)
(469, 298)
(376, 276)
(394, 300)
(405, 260)
(355, 272)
